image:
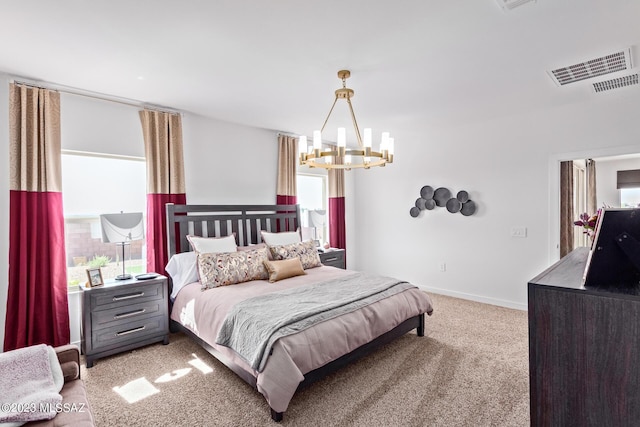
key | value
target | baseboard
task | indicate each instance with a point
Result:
(477, 298)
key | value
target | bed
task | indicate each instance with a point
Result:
(307, 351)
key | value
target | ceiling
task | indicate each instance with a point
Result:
(415, 65)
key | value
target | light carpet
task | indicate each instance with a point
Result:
(470, 369)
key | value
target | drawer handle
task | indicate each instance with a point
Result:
(335, 258)
(130, 331)
(131, 313)
(138, 295)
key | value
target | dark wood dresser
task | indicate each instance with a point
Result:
(123, 315)
(584, 349)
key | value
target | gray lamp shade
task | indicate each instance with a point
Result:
(122, 227)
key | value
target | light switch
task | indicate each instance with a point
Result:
(518, 231)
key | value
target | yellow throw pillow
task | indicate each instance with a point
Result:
(284, 269)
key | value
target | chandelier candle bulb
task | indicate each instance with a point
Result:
(317, 143)
(302, 148)
(367, 137)
(347, 160)
(390, 150)
(342, 137)
(342, 141)
(317, 140)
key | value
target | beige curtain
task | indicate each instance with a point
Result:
(162, 134)
(287, 191)
(592, 203)
(35, 149)
(566, 208)
(165, 180)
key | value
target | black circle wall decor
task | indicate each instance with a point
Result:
(430, 204)
(441, 196)
(426, 192)
(453, 205)
(463, 196)
(468, 208)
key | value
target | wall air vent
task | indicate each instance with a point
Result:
(512, 4)
(619, 61)
(616, 83)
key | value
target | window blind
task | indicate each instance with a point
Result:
(629, 179)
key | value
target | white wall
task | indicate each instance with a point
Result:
(224, 163)
(227, 163)
(607, 179)
(509, 167)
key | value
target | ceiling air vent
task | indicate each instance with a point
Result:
(616, 83)
(619, 61)
(512, 4)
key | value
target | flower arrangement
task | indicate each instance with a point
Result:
(588, 223)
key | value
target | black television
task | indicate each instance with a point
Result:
(614, 258)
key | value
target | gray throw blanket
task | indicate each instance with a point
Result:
(253, 325)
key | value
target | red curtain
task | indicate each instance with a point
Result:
(37, 308)
(157, 250)
(286, 200)
(337, 230)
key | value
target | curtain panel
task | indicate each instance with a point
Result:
(592, 203)
(163, 144)
(37, 307)
(337, 229)
(566, 208)
(287, 191)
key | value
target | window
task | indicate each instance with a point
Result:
(97, 184)
(580, 202)
(630, 197)
(312, 198)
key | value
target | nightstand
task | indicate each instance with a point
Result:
(122, 315)
(334, 258)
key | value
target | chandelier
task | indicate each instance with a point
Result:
(342, 157)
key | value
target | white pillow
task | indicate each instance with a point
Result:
(183, 270)
(207, 245)
(279, 239)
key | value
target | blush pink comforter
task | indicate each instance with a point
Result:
(203, 312)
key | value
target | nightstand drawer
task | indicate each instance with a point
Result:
(333, 258)
(125, 295)
(126, 314)
(129, 332)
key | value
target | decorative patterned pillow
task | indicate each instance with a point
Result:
(284, 269)
(230, 268)
(254, 247)
(306, 251)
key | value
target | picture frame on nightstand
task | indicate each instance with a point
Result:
(95, 277)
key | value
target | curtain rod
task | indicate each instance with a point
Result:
(287, 134)
(94, 95)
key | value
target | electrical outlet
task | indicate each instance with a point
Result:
(518, 231)
(443, 266)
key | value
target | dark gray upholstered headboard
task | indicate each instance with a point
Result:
(245, 221)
